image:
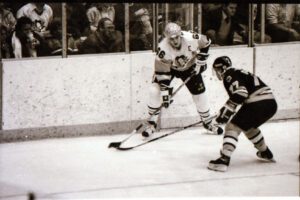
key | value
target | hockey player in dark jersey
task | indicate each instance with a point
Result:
(257, 106)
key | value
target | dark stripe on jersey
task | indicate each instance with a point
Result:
(162, 73)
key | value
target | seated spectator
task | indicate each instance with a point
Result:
(104, 40)
(280, 22)
(257, 29)
(208, 7)
(6, 50)
(242, 15)
(7, 18)
(296, 22)
(141, 37)
(222, 27)
(7, 25)
(25, 42)
(54, 41)
(77, 21)
(98, 11)
(41, 15)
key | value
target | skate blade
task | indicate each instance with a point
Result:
(218, 168)
(267, 160)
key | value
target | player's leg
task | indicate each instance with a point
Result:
(260, 113)
(230, 141)
(238, 123)
(153, 105)
(256, 137)
(203, 109)
(197, 89)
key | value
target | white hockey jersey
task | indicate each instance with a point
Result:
(179, 59)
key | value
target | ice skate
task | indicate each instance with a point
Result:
(150, 128)
(266, 155)
(221, 164)
(213, 129)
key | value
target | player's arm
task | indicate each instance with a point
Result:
(162, 74)
(202, 52)
(237, 94)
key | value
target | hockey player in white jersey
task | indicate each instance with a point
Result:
(180, 54)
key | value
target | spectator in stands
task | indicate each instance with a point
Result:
(141, 37)
(222, 27)
(257, 28)
(208, 7)
(296, 21)
(41, 15)
(6, 51)
(280, 23)
(98, 11)
(7, 26)
(24, 41)
(7, 18)
(105, 40)
(77, 21)
(242, 16)
(54, 42)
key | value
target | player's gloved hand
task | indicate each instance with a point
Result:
(226, 112)
(166, 92)
(200, 62)
(199, 68)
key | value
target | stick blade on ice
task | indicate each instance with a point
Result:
(114, 144)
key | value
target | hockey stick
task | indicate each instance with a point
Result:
(165, 135)
(117, 144)
(157, 138)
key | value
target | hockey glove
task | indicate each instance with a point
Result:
(226, 112)
(166, 93)
(200, 62)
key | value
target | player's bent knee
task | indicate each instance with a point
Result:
(154, 100)
(154, 90)
(232, 127)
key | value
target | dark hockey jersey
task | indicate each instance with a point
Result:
(244, 87)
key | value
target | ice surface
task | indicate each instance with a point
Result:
(175, 166)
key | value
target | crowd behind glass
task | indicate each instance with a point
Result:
(36, 29)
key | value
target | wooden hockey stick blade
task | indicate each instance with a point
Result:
(114, 144)
(118, 144)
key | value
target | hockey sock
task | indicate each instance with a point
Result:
(154, 113)
(230, 140)
(205, 117)
(255, 136)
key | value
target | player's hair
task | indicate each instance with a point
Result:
(172, 29)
